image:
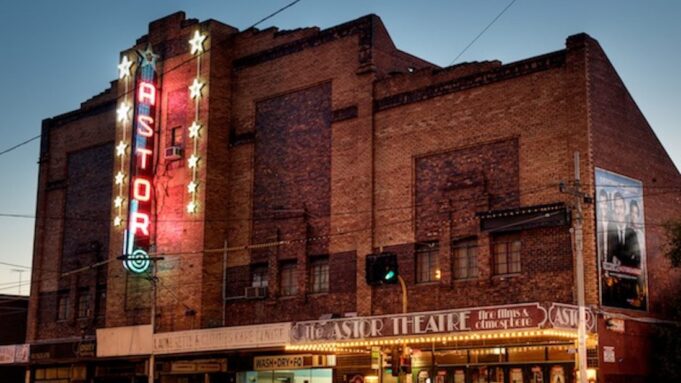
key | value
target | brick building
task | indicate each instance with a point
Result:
(262, 167)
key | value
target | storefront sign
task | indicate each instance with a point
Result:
(62, 351)
(225, 338)
(7, 354)
(567, 316)
(124, 341)
(198, 366)
(292, 362)
(509, 317)
(282, 362)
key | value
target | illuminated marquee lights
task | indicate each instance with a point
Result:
(195, 48)
(137, 235)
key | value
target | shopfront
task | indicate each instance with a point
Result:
(522, 343)
(290, 369)
(65, 362)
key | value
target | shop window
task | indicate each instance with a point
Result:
(465, 257)
(319, 275)
(506, 252)
(427, 268)
(83, 304)
(259, 276)
(52, 375)
(63, 306)
(288, 280)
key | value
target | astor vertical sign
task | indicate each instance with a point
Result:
(138, 233)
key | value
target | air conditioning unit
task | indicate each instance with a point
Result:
(255, 292)
(173, 153)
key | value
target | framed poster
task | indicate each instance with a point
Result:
(620, 241)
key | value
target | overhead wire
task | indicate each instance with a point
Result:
(17, 146)
(483, 31)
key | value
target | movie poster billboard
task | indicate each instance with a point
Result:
(620, 236)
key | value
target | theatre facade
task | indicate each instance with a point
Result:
(217, 213)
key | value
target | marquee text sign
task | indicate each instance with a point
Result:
(137, 237)
(493, 318)
(223, 338)
(567, 316)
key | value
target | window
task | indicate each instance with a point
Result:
(259, 276)
(288, 279)
(100, 301)
(506, 251)
(465, 256)
(83, 304)
(427, 268)
(176, 137)
(319, 275)
(63, 306)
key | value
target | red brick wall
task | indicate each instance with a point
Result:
(457, 184)
(75, 169)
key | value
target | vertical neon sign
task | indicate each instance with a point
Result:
(138, 232)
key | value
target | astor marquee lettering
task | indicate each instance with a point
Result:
(493, 318)
(451, 321)
(138, 232)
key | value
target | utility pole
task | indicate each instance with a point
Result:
(152, 359)
(578, 247)
(20, 271)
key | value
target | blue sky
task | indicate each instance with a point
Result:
(56, 54)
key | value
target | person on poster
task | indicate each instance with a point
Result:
(603, 220)
(622, 245)
(636, 223)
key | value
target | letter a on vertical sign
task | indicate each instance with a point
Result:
(137, 239)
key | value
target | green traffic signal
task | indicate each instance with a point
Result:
(390, 275)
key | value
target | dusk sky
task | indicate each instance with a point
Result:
(56, 54)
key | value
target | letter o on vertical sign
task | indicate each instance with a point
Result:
(141, 189)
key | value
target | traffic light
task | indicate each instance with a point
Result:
(405, 363)
(381, 268)
(395, 356)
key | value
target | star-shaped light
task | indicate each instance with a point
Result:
(123, 112)
(120, 149)
(191, 187)
(148, 57)
(124, 67)
(191, 207)
(117, 221)
(118, 201)
(194, 129)
(119, 178)
(196, 43)
(195, 88)
(192, 161)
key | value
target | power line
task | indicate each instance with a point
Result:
(482, 32)
(19, 145)
(274, 14)
(14, 265)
